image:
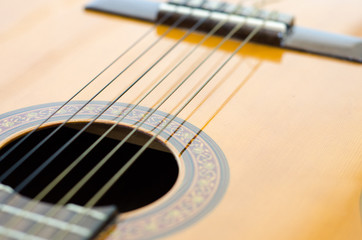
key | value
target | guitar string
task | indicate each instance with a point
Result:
(141, 121)
(24, 138)
(41, 143)
(109, 184)
(106, 187)
(215, 113)
(191, 30)
(26, 156)
(23, 184)
(100, 194)
(62, 175)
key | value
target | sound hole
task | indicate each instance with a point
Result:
(148, 179)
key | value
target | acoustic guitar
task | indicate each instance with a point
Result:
(117, 128)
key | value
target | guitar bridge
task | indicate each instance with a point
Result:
(274, 26)
(276, 29)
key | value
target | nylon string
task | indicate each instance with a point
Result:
(34, 174)
(106, 187)
(24, 158)
(100, 193)
(115, 177)
(85, 179)
(10, 150)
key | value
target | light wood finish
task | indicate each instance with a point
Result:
(289, 123)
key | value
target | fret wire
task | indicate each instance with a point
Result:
(14, 234)
(46, 220)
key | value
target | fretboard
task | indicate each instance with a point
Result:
(22, 218)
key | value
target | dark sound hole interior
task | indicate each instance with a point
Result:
(148, 179)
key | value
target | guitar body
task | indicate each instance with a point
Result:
(288, 123)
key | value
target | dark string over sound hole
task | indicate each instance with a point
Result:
(151, 176)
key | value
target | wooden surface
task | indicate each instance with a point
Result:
(289, 123)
